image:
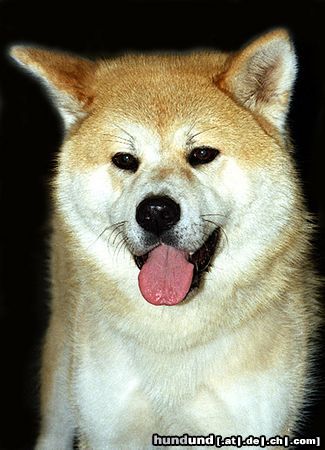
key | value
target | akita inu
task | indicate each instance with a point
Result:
(184, 299)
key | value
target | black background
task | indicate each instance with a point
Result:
(31, 135)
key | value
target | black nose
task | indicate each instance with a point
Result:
(157, 214)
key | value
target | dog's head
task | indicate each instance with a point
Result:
(174, 165)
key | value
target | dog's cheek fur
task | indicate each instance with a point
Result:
(262, 214)
(86, 200)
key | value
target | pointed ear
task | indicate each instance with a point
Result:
(261, 76)
(67, 78)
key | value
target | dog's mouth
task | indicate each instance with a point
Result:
(168, 274)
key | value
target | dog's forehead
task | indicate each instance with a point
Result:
(163, 114)
(169, 113)
(162, 95)
(160, 120)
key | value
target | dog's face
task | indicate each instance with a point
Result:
(173, 166)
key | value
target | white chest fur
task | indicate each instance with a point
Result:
(125, 394)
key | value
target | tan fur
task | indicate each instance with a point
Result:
(117, 368)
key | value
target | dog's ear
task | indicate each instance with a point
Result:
(261, 76)
(67, 78)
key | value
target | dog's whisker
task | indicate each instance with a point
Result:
(211, 214)
(131, 139)
(127, 243)
(193, 136)
(118, 225)
(211, 221)
(101, 234)
(224, 234)
(110, 237)
(120, 245)
(114, 225)
(188, 134)
(117, 139)
(116, 236)
(218, 226)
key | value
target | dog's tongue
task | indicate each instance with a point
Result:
(166, 276)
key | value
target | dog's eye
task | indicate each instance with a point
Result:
(202, 155)
(125, 161)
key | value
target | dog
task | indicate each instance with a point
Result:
(184, 298)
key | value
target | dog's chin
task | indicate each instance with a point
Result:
(201, 259)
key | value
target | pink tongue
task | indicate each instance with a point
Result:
(166, 276)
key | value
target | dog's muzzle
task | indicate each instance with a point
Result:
(167, 273)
